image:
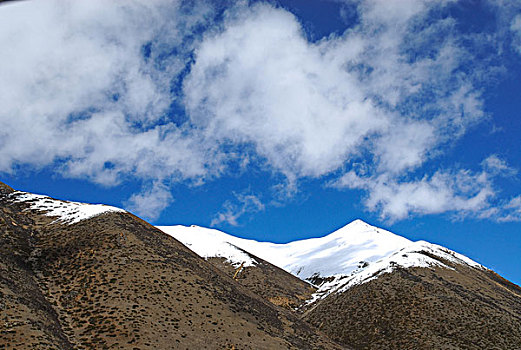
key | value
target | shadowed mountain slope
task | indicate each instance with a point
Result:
(268, 281)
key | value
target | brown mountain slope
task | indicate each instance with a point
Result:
(268, 281)
(114, 281)
(424, 308)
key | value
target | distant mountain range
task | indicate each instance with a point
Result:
(83, 276)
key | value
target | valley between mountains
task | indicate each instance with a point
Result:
(83, 276)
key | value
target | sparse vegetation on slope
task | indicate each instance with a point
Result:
(114, 281)
(424, 308)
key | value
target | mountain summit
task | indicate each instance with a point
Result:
(377, 290)
(352, 255)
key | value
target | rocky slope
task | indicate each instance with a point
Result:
(79, 276)
(76, 276)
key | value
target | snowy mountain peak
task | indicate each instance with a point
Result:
(359, 230)
(354, 254)
(353, 226)
(358, 222)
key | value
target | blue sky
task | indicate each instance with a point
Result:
(275, 120)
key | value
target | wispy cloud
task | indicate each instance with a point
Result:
(462, 192)
(245, 203)
(510, 211)
(151, 201)
(515, 27)
(497, 166)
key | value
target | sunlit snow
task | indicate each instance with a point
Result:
(354, 254)
(66, 212)
(209, 243)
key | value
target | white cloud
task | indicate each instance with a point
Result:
(511, 211)
(389, 93)
(245, 203)
(78, 88)
(87, 86)
(260, 81)
(461, 192)
(151, 201)
(497, 166)
(309, 107)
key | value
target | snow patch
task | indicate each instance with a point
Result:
(209, 243)
(65, 211)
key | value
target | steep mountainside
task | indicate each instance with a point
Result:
(269, 281)
(451, 307)
(377, 290)
(80, 276)
(258, 275)
(76, 276)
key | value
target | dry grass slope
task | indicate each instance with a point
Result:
(270, 282)
(424, 308)
(116, 282)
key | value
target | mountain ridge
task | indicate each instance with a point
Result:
(75, 275)
(353, 254)
(113, 280)
(396, 294)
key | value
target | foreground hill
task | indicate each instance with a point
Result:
(76, 276)
(449, 306)
(377, 290)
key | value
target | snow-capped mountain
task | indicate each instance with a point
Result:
(352, 255)
(66, 264)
